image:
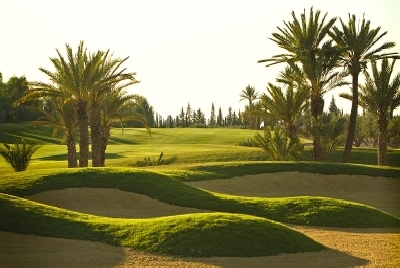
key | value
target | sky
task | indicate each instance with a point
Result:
(183, 51)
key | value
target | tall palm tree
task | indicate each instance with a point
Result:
(311, 55)
(380, 96)
(249, 94)
(358, 43)
(108, 75)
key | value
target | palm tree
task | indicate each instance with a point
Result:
(86, 79)
(380, 96)
(249, 94)
(285, 106)
(109, 76)
(75, 76)
(309, 55)
(358, 42)
(63, 118)
(112, 112)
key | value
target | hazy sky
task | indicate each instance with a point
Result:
(182, 51)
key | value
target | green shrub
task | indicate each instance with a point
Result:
(153, 162)
(279, 147)
(19, 156)
(249, 142)
(328, 132)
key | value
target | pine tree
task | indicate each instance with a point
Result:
(333, 109)
(212, 117)
(188, 116)
(229, 117)
(182, 118)
(220, 118)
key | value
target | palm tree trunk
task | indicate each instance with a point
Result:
(317, 108)
(71, 152)
(83, 124)
(353, 120)
(382, 142)
(95, 131)
(105, 135)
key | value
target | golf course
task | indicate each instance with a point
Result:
(201, 200)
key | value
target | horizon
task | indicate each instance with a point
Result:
(197, 52)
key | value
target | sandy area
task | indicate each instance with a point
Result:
(346, 247)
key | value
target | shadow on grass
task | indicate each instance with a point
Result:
(64, 157)
(325, 258)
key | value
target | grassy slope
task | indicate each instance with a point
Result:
(317, 211)
(204, 234)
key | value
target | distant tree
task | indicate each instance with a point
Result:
(188, 116)
(333, 109)
(4, 101)
(249, 94)
(229, 117)
(213, 120)
(220, 118)
(11, 91)
(169, 122)
(234, 119)
(182, 118)
(366, 130)
(201, 119)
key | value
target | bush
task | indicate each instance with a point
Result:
(19, 156)
(250, 142)
(279, 147)
(394, 133)
(149, 162)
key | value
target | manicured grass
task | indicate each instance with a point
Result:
(196, 235)
(240, 226)
(189, 145)
(317, 211)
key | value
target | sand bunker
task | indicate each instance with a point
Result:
(347, 247)
(109, 202)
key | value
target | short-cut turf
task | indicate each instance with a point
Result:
(196, 235)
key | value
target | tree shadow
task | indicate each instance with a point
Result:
(324, 258)
(64, 157)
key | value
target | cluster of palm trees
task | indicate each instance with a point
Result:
(319, 56)
(85, 90)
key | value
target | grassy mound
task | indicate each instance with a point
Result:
(197, 235)
(306, 210)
